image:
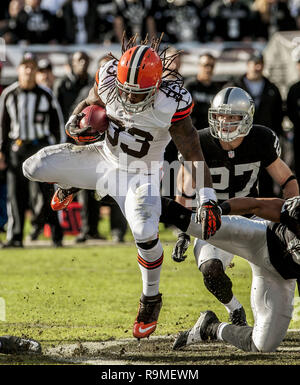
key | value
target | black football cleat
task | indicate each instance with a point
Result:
(205, 328)
(18, 345)
(238, 317)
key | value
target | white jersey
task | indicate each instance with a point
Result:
(138, 140)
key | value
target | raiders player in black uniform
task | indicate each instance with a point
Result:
(272, 248)
(236, 151)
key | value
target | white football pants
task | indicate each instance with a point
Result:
(271, 295)
(87, 167)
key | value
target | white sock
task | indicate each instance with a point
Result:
(232, 305)
(220, 329)
(148, 259)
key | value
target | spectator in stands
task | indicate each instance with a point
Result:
(106, 10)
(293, 112)
(268, 106)
(30, 119)
(52, 6)
(4, 9)
(44, 74)
(35, 25)
(68, 88)
(134, 17)
(232, 20)
(271, 16)
(182, 21)
(79, 20)
(8, 27)
(203, 88)
(3, 186)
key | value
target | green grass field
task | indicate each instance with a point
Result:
(91, 293)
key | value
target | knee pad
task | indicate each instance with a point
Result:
(216, 281)
(212, 268)
(147, 245)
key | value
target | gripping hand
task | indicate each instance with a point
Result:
(181, 247)
(209, 215)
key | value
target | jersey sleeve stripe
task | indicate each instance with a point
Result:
(183, 110)
(97, 78)
(182, 113)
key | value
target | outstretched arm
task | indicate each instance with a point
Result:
(266, 208)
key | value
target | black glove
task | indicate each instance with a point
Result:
(290, 215)
(181, 247)
(209, 215)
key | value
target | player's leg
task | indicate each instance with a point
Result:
(142, 210)
(272, 306)
(272, 303)
(65, 164)
(212, 262)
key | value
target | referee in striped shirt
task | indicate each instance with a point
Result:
(30, 119)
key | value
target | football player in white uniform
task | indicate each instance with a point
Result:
(272, 248)
(145, 109)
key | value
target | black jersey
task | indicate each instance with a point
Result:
(284, 250)
(235, 173)
(202, 96)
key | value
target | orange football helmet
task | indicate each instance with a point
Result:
(139, 75)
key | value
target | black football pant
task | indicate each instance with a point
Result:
(19, 193)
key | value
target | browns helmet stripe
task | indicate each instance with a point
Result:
(135, 62)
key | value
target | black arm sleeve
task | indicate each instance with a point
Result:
(173, 213)
(4, 126)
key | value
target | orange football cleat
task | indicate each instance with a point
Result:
(147, 316)
(62, 198)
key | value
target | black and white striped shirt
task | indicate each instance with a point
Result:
(30, 115)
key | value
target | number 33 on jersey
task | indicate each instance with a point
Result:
(142, 136)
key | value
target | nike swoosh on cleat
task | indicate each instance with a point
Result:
(141, 330)
(64, 203)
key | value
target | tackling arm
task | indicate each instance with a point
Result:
(266, 208)
(181, 217)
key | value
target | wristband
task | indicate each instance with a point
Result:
(291, 177)
(225, 207)
(206, 194)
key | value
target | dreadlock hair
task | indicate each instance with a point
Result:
(172, 81)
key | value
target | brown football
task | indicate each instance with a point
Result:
(95, 118)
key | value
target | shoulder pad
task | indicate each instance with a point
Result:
(106, 79)
(176, 100)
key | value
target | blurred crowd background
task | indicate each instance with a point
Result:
(253, 44)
